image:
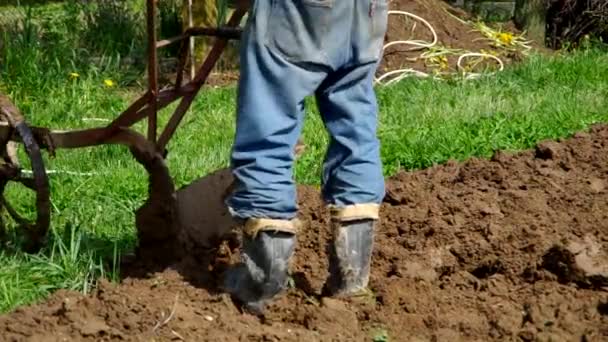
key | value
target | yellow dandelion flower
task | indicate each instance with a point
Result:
(74, 75)
(109, 83)
(505, 38)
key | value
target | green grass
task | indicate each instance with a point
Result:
(422, 123)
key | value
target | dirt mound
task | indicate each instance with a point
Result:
(452, 33)
(513, 248)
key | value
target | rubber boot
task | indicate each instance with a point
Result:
(350, 258)
(263, 271)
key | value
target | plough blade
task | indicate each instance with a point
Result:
(202, 214)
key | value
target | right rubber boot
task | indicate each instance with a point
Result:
(263, 271)
(350, 258)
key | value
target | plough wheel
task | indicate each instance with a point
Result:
(35, 231)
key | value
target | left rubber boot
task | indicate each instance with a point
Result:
(263, 271)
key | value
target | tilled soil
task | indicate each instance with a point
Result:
(509, 249)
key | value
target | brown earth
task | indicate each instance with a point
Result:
(513, 248)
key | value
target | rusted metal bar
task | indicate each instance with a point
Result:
(48, 139)
(164, 98)
(226, 32)
(184, 52)
(172, 40)
(198, 81)
(79, 138)
(152, 70)
(221, 32)
(125, 119)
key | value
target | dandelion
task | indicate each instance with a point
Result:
(505, 38)
(439, 61)
(74, 75)
(109, 83)
(443, 62)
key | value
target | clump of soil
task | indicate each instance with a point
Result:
(512, 248)
(451, 31)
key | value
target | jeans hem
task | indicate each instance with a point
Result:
(245, 214)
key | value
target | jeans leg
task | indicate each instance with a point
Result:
(270, 103)
(352, 171)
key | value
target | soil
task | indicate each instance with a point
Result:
(512, 248)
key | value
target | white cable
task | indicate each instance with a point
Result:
(403, 73)
(475, 54)
(418, 43)
(96, 119)
(71, 173)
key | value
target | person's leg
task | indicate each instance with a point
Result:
(281, 64)
(353, 182)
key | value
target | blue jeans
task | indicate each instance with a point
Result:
(291, 49)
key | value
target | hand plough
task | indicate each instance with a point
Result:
(160, 219)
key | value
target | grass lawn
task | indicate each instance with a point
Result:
(422, 122)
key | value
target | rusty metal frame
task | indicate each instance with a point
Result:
(149, 150)
(150, 103)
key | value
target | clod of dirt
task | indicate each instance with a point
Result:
(527, 335)
(444, 268)
(597, 185)
(583, 263)
(488, 268)
(417, 271)
(96, 328)
(548, 150)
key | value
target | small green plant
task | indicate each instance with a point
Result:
(380, 335)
